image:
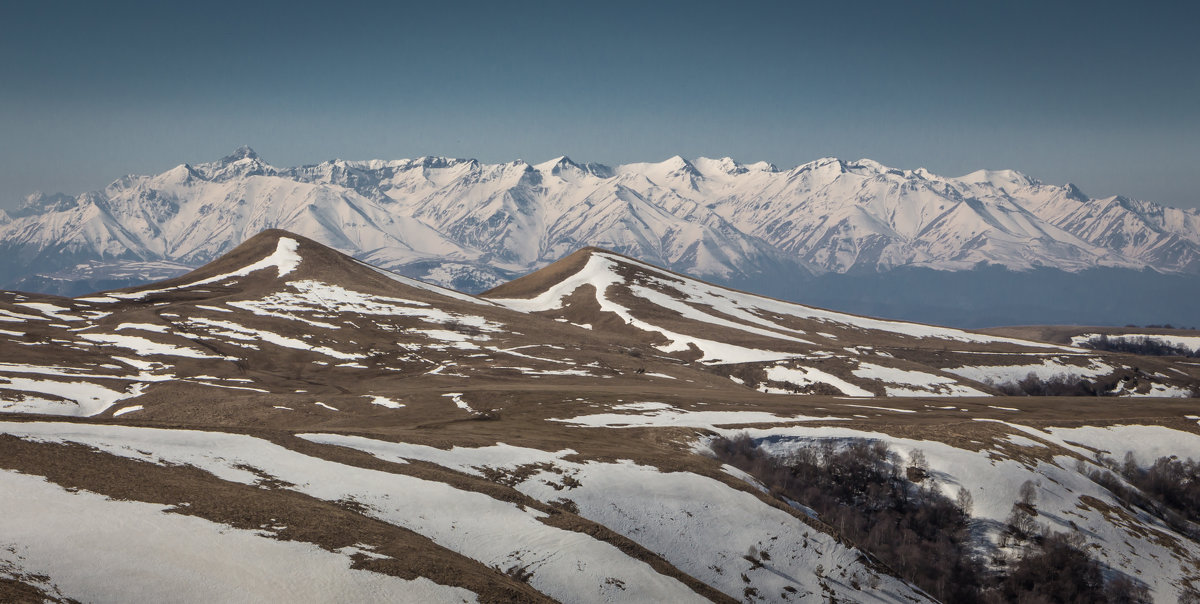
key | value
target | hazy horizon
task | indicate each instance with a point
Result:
(1098, 96)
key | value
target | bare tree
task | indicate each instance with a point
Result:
(965, 501)
(1028, 493)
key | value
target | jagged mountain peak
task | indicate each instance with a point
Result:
(439, 161)
(673, 171)
(558, 166)
(679, 163)
(565, 167)
(561, 160)
(870, 165)
(183, 173)
(833, 164)
(1073, 192)
(243, 162)
(832, 167)
(39, 203)
(1003, 179)
(719, 166)
(242, 152)
(762, 166)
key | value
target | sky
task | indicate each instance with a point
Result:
(1104, 95)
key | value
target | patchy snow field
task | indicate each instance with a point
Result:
(663, 415)
(331, 301)
(565, 565)
(1048, 368)
(914, 383)
(807, 376)
(100, 550)
(1134, 543)
(144, 347)
(701, 525)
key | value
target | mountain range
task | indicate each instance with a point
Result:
(471, 226)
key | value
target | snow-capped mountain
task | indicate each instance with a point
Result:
(472, 225)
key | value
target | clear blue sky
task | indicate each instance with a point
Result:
(1106, 95)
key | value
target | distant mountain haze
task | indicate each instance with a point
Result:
(471, 226)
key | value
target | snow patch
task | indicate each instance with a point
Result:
(383, 401)
(666, 416)
(83, 399)
(806, 376)
(145, 347)
(1048, 368)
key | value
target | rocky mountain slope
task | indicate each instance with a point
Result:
(471, 225)
(289, 422)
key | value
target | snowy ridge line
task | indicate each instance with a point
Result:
(703, 306)
(600, 272)
(480, 224)
(284, 259)
(1048, 368)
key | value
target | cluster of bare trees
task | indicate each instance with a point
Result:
(893, 509)
(1169, 489)
(1058, 385)
(1143, 345)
